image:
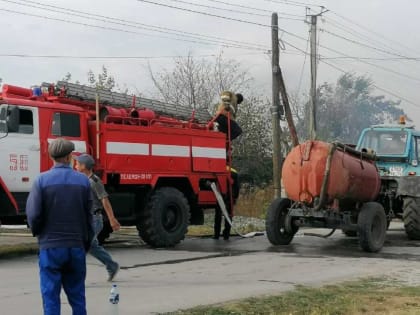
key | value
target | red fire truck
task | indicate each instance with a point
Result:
(156, 160)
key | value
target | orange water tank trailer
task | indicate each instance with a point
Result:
(351, 176)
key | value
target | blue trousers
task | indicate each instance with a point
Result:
(97, 250)
(63, 267)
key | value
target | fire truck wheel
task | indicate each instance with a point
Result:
(276, 222)
(349, 233)
(411, 218)
(372, 227)
(164, 221)
(105, 233)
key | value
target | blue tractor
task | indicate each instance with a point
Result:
(397, 148)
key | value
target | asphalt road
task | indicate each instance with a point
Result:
(204, 271)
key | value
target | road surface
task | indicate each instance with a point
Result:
(204, 271)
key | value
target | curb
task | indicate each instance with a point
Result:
(18, 250)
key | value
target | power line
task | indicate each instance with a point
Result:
(370, 31)
(374, 58)
(303, 67)
(358, 34)
(362, 44)
(253, 8)
(117, 57)
(295, 3)
(375, 86)
(218, 8)
(207, 39)
(205, 13)
(41, 56)
(371, 64)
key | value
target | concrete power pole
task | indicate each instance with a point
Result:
(312, 110)
(276, 109)
(314, 54)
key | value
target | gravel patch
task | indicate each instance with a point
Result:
(239, 222)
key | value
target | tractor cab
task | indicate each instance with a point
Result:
(396, 148)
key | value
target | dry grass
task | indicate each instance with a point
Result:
(370, 296)
(254, 203)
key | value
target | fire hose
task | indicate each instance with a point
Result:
(222, 206)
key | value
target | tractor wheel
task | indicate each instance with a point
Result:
(372, 227)
(105, 233)
(411, 217)
(276, 222)
(349, 233)
(164, 221)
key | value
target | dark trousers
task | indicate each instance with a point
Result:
(218, 216)
(63, 267)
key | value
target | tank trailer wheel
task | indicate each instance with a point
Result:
(165, 219)
(275, 223)
(372, 227)
(411, 217)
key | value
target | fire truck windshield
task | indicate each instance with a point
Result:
(385, 142)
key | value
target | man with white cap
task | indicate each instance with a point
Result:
(58, 212)
(84, 164)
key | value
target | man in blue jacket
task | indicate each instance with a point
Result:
(58, 211)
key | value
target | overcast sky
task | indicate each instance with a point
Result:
(389, 26)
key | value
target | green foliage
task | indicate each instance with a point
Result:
(101, 81)
(252, 150)
(347, 107)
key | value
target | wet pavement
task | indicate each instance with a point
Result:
(204, 271)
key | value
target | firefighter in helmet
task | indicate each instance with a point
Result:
(225, 117)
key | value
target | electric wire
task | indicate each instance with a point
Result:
(204, 13)
(218, 8)
(371, 31)
(303, 67)
(201, 37)
(387, 91)
(120, 57)
(362, 44)
(350, 30)
(295, 3)
(252, 8)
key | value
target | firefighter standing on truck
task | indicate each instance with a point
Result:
(84, 164)
(225, 114)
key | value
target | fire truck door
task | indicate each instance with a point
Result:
(71, 126)
(19, 147)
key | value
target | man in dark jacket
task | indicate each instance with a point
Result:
(58, 211)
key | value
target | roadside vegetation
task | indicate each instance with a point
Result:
(368, 296)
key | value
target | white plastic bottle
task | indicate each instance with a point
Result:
(114, 298)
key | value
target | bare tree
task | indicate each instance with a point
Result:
(198, 82)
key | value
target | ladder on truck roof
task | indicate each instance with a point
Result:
(87, 93)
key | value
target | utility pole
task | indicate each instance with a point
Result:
(276, 109)
(312, 111)
(314, 54)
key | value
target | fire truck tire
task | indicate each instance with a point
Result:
(411, 217)
(349, 233)
(276, 222)
(372, 227)
(165, 219)
(105, 233)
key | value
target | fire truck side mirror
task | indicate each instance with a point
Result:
(12, 119)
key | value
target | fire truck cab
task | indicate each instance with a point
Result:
(155, 159)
